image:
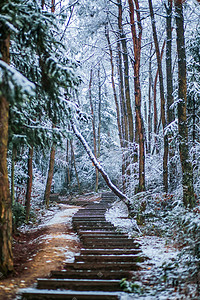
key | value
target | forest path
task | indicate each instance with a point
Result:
(41, 249)
(106, 256)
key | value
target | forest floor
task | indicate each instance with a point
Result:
(51, 242)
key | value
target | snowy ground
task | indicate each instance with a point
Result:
(154, 280)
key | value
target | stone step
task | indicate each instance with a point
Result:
(108, 242)
(99, 231)
(34, 294)
(108, 246)
(89, 219)
(93, 227)
(109, 251)
(100, 235)
(103, 265)
(109, 258)
(92, 274)
(79, 284)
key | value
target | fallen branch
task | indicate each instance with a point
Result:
(99, 167)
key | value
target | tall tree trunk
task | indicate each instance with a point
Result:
(162, 97)
(6, 256)
(123, 41)
(14, 152)
(150, 103)
(187, 171)
(129, 142)
(93, 128)
(120, 121)
(99, 115)
(50, 176)
(137, 38)
(156, 123)
(29, 183)
(170, 99)
(74, 160)
(67, 176)
(124, 116)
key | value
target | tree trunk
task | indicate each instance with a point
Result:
(162, 97)
(150, 103)
(120, 120)
(29, 183)
(74, 160)
(170, 99)
(93, 129)
(50, 176)
(14, 152)
(6, 256)
(128, 143)
(137, 38)
(126, 72)
(67, 176)
(187, 171)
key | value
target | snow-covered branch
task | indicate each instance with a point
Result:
(98, 166)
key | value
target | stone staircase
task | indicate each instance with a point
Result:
(106, 256)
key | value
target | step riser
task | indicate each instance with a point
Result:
(82, 274)
(79, 285)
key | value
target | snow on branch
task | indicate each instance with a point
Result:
(98, 166)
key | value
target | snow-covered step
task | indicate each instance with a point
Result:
(35, 294)
(92, 274)
(79, 284)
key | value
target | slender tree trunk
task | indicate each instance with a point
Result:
(50, 176)
(14, 152)
(124, 117)
(126, 72)
(6, 256)
(74, 160)
(29, 183)
(99, 116)
(162, 97)
(129, 142)
(120, 120)
(93, 128)
(150, 103)
(187, 171)
(170, 99)
(68, 178)
(137, 38)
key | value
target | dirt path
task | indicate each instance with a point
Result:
(41, 250)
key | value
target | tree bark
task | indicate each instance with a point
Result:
(170, 98)
(6, 256)
(14, 152)
(121, 117)
(29, 183)
(150, 104)
(187, 171)
(93, 129)
(126, 72)
(74, 160)
(162, 97)
(50, 176)
(137, 38)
